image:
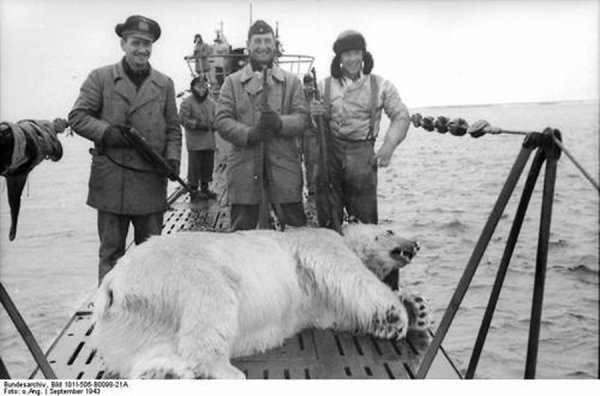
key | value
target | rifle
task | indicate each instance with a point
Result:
(265, 171)
(324, 136)
(264, 211)
(137, 141)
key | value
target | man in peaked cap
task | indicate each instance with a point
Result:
(139, 26)
(353, 101)
(244, 122)
(123, 187)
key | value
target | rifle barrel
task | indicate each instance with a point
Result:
(325, 174)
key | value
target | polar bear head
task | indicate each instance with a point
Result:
(381, 249)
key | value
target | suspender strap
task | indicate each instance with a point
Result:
(373, 105)
(374, 99)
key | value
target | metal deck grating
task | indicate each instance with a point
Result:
(312, 354)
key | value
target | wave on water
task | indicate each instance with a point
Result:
(578, 316)
(455, 225)
(580, 374)
(579, 269)
(558, 244)
(583, 269)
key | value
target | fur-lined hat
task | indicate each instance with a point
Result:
(347, 41)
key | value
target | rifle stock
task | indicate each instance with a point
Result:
(151, 156)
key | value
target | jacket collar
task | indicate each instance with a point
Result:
(151, 87)
(247, 73)
(347, 81)
(155, 77)
(252, 81)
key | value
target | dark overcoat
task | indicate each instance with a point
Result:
(108, 97)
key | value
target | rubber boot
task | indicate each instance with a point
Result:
(196, 195)
(205, 190)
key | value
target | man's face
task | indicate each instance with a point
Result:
(200, 88)
(137, 50)
(352, 61)
(262, 47)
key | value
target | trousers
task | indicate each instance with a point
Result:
(112, 230)
(200, 167)
(353, 177)
(245, 217)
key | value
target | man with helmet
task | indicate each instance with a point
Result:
(353, 100)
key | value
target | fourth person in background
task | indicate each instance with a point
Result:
(197, 114)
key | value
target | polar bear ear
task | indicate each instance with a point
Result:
(353, 220)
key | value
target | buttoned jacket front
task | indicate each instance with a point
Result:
(238, 109)
(108, 97)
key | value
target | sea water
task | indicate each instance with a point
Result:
(439, 189)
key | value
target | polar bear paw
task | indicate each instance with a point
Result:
(419, 319)
(390, 324)
(162, 368)
(418, 311)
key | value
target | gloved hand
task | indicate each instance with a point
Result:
(255, 134)
(113, 137)
(317, 108)
(203, 126)
(270, 121)
(259, 133)
(174, 165)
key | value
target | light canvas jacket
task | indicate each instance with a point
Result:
(350, 106)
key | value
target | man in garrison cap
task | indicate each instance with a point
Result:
(353, 102)
(254, 130)
(123, 187)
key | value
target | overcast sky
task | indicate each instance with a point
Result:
(435, 52)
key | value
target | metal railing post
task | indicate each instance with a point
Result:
(532, 177)
(553, 152)
(471, 267)
(26, 334)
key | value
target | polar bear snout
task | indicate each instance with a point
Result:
(405, 252)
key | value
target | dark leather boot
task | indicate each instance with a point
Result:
(210, 194)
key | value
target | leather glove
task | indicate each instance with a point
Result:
(113, 137)
(270, 120)
(255, 134)
(174, 165)
(259, 133)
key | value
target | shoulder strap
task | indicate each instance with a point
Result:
(374, 98)
(327, 94)
(284, 110)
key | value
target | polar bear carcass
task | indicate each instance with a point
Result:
(182, 305)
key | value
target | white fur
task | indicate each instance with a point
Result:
(183, 305)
